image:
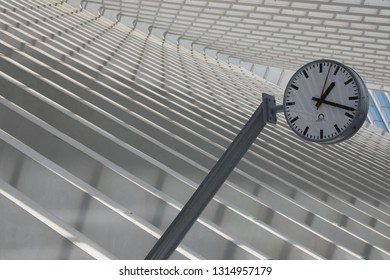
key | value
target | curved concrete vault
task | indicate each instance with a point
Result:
(106, 131)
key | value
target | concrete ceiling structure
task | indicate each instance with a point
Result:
(283, 34)
(107, 130)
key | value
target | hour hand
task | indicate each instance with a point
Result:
(333, 104)
(325, 94)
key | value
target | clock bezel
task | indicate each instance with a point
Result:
(361, 111)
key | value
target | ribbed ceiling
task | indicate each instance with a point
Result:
(106, 131)
(283, 34)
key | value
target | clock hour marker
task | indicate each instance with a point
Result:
(320, 67)
(305, 73)
(321, 134)
(290, 103)
(295, 87)
(348, 115)
(294, 119)
(353, 97)
(347, 82)
(337, 128)
(306, 129)
(337, 70)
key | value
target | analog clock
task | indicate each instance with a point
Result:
(325, 101)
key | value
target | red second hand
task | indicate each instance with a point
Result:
(319, 102)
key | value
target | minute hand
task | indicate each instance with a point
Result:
(334, 104)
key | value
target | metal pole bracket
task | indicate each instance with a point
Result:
(269, 110)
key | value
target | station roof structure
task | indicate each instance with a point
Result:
(273, 38)
(279, 33)
(108, 127)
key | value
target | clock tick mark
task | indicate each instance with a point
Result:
(347, 82)
(337, 70)
(305, 131)
(294, 119)
(348, 115)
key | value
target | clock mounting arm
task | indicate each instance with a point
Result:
(171, 238)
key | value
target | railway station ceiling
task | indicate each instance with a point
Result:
(283, 34)
(107, 130)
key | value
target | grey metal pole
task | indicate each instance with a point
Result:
(177, 230)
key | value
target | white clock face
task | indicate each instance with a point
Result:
(325, 101)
